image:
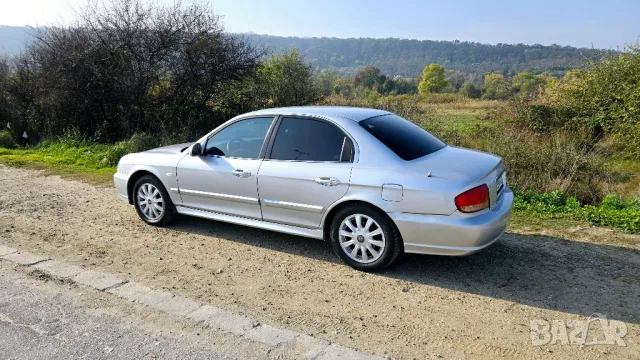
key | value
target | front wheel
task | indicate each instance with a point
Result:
(365, 238)
(152, 201)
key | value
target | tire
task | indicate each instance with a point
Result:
(386, 241)
(144, 204)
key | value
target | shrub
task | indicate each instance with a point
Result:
(470, 90)
(560, 160)
(125, 67)
(6, 140)
(602, 98)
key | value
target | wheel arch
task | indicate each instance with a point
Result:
(333, 210)
(135, 175)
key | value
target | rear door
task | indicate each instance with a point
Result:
(306, 169)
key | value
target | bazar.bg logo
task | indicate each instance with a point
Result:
(596, 330)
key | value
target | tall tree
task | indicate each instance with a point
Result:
(131, 66)
(288, 80)
(368, 77)
(527, 83)
(433, 79)
(496, 87)
(470, 90)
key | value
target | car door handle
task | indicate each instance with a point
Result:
(241, 173)
(327, 181)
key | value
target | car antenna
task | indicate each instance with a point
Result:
(429, 173)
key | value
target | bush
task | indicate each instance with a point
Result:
(560, 160)
(602, 98)
(129, 66)
(470, 90)
(6, 140)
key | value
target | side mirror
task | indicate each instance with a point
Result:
(196, 149)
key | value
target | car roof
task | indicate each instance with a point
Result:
(352, 113)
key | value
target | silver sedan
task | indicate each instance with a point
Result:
(372, 183)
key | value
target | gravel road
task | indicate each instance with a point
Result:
(474, 307)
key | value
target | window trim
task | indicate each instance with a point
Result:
(273, 134)
(263, 148)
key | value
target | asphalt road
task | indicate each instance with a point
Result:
(51, 320)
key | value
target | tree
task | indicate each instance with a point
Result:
(369, 77)
(528, 84)
(287, 80)
(327, 80)
(496, 87)
(456, 79)
(433, 79)
(131, 66)
(470, 90)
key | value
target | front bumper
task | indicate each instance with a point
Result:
(456, 234)
(120, 181)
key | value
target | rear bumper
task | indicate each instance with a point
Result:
(454, 235)
(120, 181)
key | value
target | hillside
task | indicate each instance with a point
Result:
(396, 56)
(408, 57)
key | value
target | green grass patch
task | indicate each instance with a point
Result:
(76, 157)
(613, 212)
(89, 163)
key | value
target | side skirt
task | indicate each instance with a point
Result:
(287, 229)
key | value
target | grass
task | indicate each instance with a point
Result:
(85, 163)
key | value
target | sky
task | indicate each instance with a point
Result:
(583, 23)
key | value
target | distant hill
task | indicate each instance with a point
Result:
(13, 38)
(396, 57)
(407, 57)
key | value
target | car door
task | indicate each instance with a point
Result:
(224, 178)
(307, 168)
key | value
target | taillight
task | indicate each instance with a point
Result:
(473, 200)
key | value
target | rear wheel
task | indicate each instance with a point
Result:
(152, 201)
(365, 238)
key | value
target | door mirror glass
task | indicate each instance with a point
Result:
(196, 149)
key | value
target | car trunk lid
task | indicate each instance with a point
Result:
(464, 169)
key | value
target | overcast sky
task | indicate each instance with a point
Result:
(584, 23)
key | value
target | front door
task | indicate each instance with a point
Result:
(224, 179)
(307, 170)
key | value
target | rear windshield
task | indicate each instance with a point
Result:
(407, 140)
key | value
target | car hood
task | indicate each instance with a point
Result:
(171, 149)
(459, 165)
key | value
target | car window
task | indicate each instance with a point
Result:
(407, 140)
(242, 139)
(310, 140)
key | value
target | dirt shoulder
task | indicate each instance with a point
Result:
(425, 307)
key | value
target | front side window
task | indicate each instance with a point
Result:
(310, 140)
(241, 139)
(406, 139)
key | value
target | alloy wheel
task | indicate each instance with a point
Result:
(361, 238)
(150, 202)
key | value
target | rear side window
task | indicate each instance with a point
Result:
(310, 140)
(407, 140)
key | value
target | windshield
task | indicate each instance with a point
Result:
(407, 140)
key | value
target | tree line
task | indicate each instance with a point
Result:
(370, 81)
(401, 57)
